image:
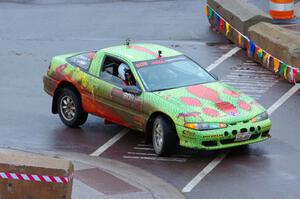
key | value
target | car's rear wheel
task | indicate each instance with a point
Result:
(164, 136)
(70, 109)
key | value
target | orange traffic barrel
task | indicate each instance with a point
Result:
(282, 9)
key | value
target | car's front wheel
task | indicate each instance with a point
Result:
(70, 109)
(164, 136)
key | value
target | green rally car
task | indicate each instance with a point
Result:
(158, 91)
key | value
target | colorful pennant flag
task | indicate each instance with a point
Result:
(240, 40)
(276, 64)
(206, 11)
(251, 49)
(227, 28)
(266, 59)
(210, 13)
(282, 68)
(260, 54)
(285, 72)
(217, 21)
(222, 24)
(295, 71)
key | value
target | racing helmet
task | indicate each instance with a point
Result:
(123, 68)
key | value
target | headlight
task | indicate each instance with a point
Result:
(260, 117)
(205, 126)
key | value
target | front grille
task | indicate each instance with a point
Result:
(209, 143)
(230, 141)
(254, 136)
(227, 141)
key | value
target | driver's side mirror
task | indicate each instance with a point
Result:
(132, 90)
(215, 76)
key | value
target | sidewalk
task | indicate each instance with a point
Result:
(92, 182)
(99, 178)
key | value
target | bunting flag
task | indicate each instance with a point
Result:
(240, 39)
(282, 68)
(260, 54)
(265, 59)
(291, 74)
(295, 71)
(227, 28)
(210, 13)
(268, 60)
(222, 23)
(217, 21)
(276, 64)
(207, 10)
(251, 50)
(285, 72)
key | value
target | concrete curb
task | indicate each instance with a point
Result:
(235, 21)
(157, 187)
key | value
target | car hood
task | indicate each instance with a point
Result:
(210, 102)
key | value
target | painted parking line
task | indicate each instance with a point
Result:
(146, 152)
(251, 78)
(222, 59)
(144, 148)
(157, 158)
(110, 142)
(283, 98)
(214, 163)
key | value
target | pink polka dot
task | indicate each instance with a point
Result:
(190, 101)
(244, 105)
(211, 112)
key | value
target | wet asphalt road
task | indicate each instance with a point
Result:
(34, 31)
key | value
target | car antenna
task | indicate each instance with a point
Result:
(127, 42)
(159, 53)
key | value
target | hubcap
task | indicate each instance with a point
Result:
(67, 108)
(158, 137)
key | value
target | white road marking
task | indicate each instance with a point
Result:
(145, 145)
(110, 142)
(143, 148)
(181, 160)
(138, 153)
(223, 58)
(283, 98)
(247, 83)
(251, 78)
(215, 162)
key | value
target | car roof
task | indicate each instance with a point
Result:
(140, 51)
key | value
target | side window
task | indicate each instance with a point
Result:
(117, 72)
(83, 60)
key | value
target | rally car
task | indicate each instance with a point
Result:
(158, 91)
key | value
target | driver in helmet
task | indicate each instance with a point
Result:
(126, 75)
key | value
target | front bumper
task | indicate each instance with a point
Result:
(223, 138)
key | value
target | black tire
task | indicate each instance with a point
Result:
(168, 145)
(73, 116)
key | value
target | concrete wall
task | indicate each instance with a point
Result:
(239, 14)
(22, 163)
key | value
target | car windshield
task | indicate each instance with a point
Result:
(171, 72)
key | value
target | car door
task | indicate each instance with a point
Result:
(111, 101)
